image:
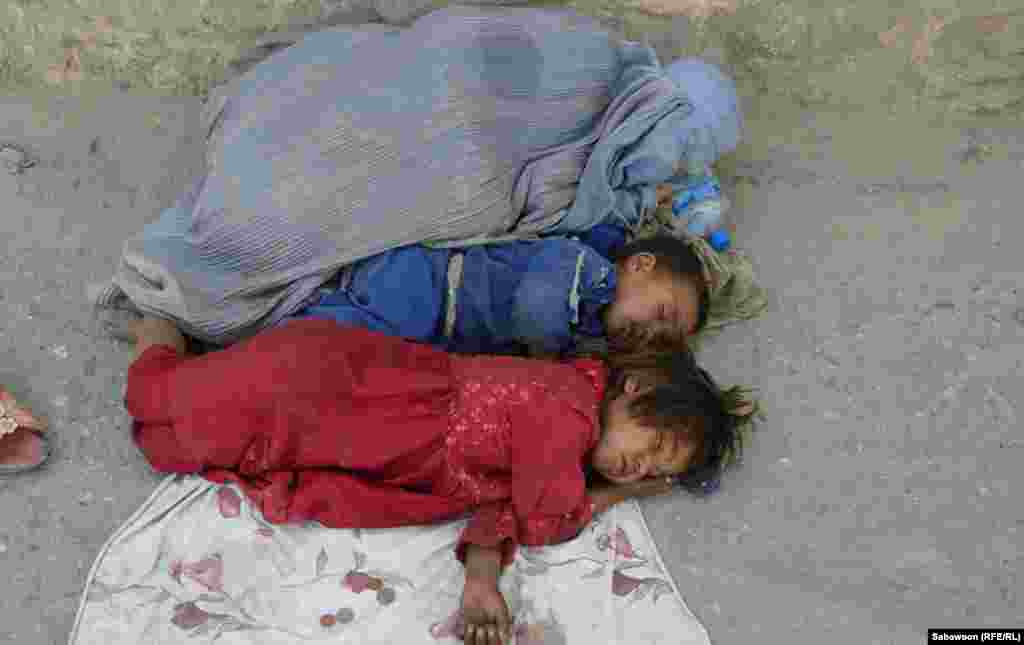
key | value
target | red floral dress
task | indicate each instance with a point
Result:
(352, 428)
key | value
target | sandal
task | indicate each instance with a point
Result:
(24, 445)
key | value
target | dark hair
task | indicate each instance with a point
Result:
(678, 259)
(685, 399)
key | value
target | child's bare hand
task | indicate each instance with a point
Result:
(485, 614)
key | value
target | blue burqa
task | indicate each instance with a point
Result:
(474, 124)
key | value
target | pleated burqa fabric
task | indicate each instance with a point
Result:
(471, 125)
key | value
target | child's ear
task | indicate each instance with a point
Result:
(630, 384)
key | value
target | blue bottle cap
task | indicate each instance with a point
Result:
(719, 240)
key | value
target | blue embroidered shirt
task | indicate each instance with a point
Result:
(539, 294)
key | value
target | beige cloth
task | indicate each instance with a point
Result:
(197, 564)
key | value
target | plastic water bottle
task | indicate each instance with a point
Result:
(700, 206)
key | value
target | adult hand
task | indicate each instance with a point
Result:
(485, 614)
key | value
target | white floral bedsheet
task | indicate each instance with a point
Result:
(198, 564)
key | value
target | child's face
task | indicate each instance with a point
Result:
(628, 452)
(650, 304)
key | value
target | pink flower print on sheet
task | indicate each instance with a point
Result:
(188, 616)
(359, 579)
(360, 582)
(637, 589)
(618, 542)
(451, 627)
(625, 585)
(228, 502)
(208, 572)
(531, 564)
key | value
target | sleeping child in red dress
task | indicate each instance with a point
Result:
(353, 428)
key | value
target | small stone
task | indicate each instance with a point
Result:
(15, 159)
(1018, 316)
(345, 615)
(356, 581)
(60, 351)
(86, 498)
(386, 596)
(328, 620)
(3, 547)
(786, 461)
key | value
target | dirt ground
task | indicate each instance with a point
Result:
(878, 190)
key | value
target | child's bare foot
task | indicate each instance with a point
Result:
(664, 193)
(148, 332)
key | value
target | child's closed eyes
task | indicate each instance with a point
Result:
(667, 454)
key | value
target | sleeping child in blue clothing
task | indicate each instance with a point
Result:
(544, 297)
